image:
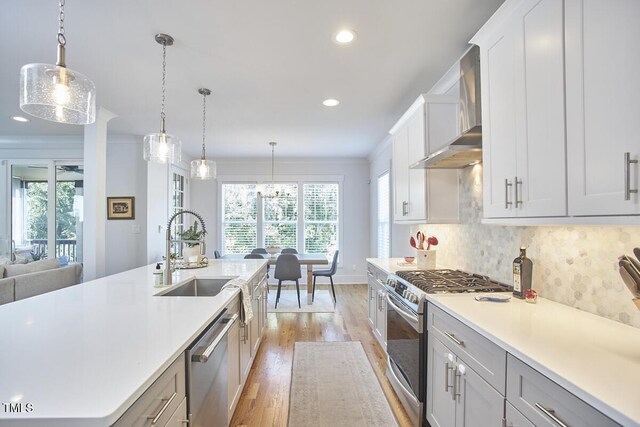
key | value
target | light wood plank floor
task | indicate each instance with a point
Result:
(265, 399)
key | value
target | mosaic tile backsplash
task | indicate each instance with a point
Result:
(573, 265)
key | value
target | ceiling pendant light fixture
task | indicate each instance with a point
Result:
(273, 193)
(203, 168)
(162, 147)
(55, 92)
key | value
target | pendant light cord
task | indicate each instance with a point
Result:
(61, 38)
(204, 122)
(164, 78)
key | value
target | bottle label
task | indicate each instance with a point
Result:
(517, 285)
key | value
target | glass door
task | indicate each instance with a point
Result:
(29, 211)
(44, 223)
(69, 211)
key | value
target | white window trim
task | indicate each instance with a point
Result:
(389, 208)
(300, 180)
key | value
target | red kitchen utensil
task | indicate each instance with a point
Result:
(432, 241)
(420, 240)
(412, 242)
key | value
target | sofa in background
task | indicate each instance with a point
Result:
(20, 281)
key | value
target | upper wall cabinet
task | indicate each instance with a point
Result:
(522, 81)
(420, 195)
(602, 106)
(542, 159)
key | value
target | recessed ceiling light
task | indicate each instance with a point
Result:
(330, 102)
(345, 36)
(20, 119)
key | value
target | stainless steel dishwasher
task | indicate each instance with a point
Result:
(207, 375)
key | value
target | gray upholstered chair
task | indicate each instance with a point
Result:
(259, 251)
(326, 273)
(289, 251)
(288, 268)
(216, 254)
(253, 256)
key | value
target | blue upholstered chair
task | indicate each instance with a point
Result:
(289, 251)
(287, 268)
(326, 273)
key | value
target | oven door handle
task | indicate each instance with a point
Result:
(401, 382)
(407, 316)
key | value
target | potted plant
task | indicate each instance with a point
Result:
(191, 253)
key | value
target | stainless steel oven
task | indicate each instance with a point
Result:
(406, 347)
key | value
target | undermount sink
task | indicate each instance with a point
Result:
(198, 288)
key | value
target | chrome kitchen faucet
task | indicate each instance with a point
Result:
(203, 246)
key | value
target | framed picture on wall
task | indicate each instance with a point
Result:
(121, 208)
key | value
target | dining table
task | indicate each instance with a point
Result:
(308, 259)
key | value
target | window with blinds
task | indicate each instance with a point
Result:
(384, 238)
(321, 210)
(281, 216)
(239, 218)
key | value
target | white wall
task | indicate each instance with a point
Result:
(380, 162)
(126, 240)
(355, 198)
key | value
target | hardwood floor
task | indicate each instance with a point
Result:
(265, 399)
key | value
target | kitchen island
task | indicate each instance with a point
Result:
(81, 356)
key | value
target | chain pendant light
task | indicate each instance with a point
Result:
(162, 147)
(55, 92)
(273, 194)
(203, 168)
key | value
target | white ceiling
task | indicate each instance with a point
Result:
(269, 63)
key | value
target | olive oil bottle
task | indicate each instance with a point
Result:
(522, 272)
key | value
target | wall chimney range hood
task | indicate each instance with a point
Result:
(466, 148)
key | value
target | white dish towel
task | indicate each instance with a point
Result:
(246, 313)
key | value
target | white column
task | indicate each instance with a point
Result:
(95, 196)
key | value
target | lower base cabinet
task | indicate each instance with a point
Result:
(179, 418)
(545, 403)
(515, 419)
(378, 304)
(458, 396)
(160, 401)
(234, 377)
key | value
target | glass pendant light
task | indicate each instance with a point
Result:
(273, 194)
(162, 147)
(203, 168)
(55, 92)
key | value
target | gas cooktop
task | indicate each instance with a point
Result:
(451, 281)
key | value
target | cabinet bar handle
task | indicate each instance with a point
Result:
(447, 368)
(627, 176)
(551, 414)
(456, 384)
(507, 203)
(155, 419)
(454, 339)
(518, 201)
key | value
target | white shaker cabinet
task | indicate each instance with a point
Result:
(602, 107)
(522, 80)
(409, 184)
(416, 198)
(456, 395)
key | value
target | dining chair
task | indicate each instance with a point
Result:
(326, 273)
(253, 256)
(216, 254)
(289, 251)
(259, 251)
(287, 268)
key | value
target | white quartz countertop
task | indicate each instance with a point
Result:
(391, 265)
(595, 358)
(82, 355)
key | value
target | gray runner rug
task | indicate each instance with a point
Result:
(333, 384)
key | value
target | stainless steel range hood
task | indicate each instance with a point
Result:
(466, 148)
